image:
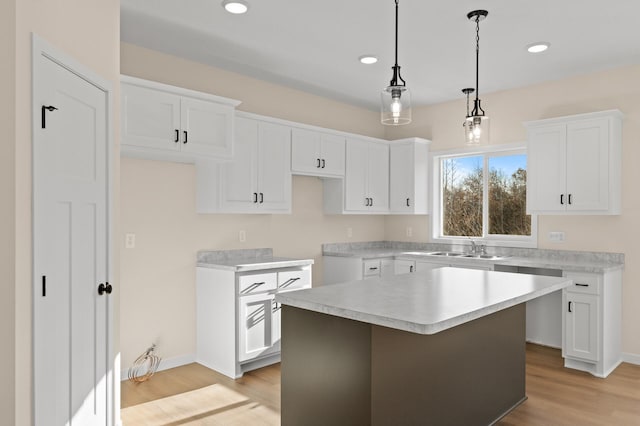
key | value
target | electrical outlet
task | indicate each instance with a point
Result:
(349, 232)
(409, 231)
(556, 236)
(242, 236)
(130, 241)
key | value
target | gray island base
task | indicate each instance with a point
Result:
(422, 353)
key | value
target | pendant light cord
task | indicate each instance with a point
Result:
(397, 33)
(477, 53)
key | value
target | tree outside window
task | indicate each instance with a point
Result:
(484, 195)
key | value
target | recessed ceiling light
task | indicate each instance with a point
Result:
(538, 47)
(368, 59)
(236, 7)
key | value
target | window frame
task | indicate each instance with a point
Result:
(436, 189)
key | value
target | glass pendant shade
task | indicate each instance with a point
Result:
(476, 130)
(396, 105)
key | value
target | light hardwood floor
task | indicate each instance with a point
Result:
(195, 395)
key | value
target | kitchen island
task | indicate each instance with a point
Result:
(442, 347)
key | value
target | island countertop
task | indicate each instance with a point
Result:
(426, 302)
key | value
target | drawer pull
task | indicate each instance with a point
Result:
(582, 285)
(252, 287)
(288, 282)
(373, 268)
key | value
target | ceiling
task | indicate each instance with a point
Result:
(314, 45)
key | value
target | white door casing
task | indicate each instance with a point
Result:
(73, 370)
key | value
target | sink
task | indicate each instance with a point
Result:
(483, 256)
(454, 254)
(446, 253)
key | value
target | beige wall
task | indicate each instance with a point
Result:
(611, 89)
(88, 31)
(158, 205)
(7, 213)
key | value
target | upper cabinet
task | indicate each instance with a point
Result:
(258, 180)
(316, 153)
(408, 176)
(169, 123)
(365, 187)
(573, 164)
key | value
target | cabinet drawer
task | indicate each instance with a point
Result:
(371, 267)
(256, 283)
(584, 283)
(294, 280)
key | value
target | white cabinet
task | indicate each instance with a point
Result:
(258, 180)
(591, 322)
(316, 153)
(237, 319)
(408, 176)
(573, 164)
(169, 123)
(404, 266)
(365, 187)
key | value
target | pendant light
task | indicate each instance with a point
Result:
(476, 125)
(468, 135)
(396, 98)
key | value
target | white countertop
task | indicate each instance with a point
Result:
(254, 263)
(425, 302)
(566, 262)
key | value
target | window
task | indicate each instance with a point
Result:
(483, 195)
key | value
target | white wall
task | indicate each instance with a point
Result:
(612, 89)
(158, 205)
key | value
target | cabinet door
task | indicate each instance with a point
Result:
(257, 333)
(355, 181)
(239, 177)
(332, 155)
(150, 119)
(274, 170)
(581, 333)
(546, 171)
(402, 266)
(588, 165)
(305, 151)
(378, 177)
(401, 182)
(206, 128)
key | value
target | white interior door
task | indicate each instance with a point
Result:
(70, 200)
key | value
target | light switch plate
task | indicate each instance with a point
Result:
(129, 241)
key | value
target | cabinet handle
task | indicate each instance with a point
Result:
(323, 163)
(261, 197)
(177, 136)
(288, 282)
(569, 198)
(410, 268)
(561, 198)
(252, 287)
(408, 205)
(276, 306)
(373, 268)
(371, 201)
(582, 285)
(255, 197)
(366, 202)
(102, 289)
(186, 137)
(318, 166)
(570, 307)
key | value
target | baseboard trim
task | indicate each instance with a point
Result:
(166, 364)
(631, 358)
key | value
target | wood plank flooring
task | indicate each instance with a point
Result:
(194, 395)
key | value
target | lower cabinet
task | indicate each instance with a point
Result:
(237, 319)
(592, 322)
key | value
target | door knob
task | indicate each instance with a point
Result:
(102, 289)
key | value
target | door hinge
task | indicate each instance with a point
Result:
(44, 109)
